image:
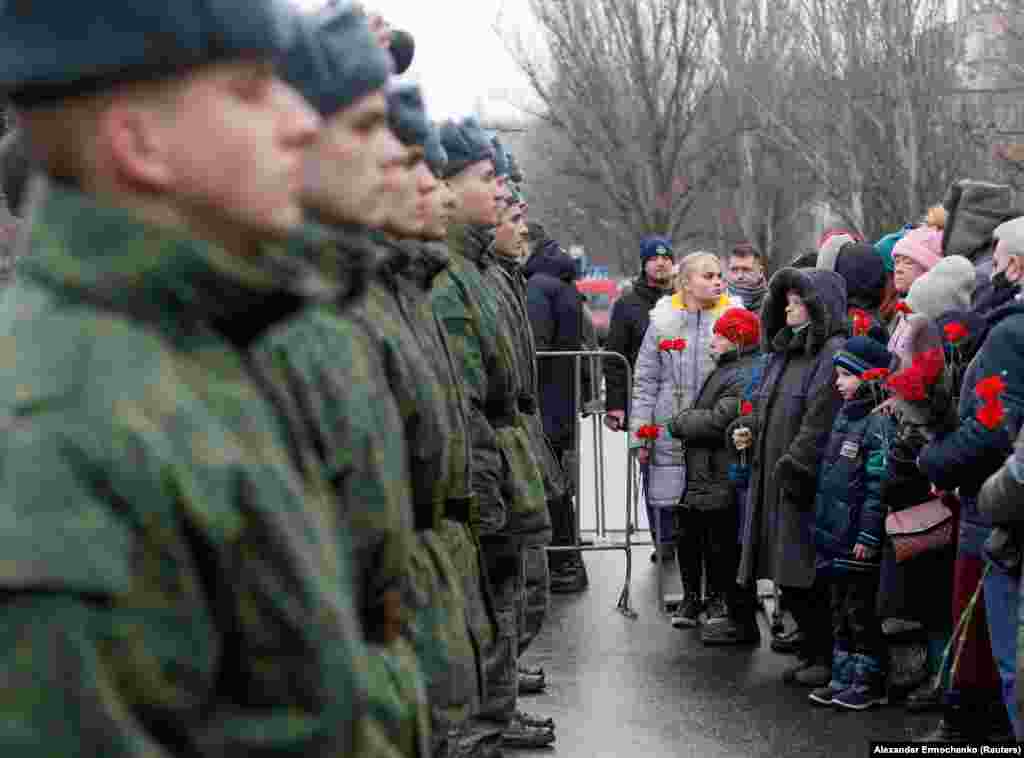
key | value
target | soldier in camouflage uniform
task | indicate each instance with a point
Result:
(175, 578)
(510, 284)
(441, 634)
(334, 364)
(506, 477)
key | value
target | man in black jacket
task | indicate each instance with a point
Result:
(628, 323)
(555, 308)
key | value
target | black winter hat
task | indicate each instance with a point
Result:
(864, 272)
(862, 353)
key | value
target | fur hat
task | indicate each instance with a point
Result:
(860, 354)
(465, 143)
(740, 326)
(946, 287)
(922, 245)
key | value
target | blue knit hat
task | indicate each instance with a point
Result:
(860, 354)
(652, 246)
(466, 143)
(336, 60)
(407, 115)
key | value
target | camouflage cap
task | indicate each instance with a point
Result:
(51, 50)
(336, 60)
(407, 115)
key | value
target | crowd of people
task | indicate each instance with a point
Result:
(846, 429)
(279, 465)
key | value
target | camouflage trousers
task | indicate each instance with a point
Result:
(506, 580)
(536, 594)
(474, 736)
(441, 636)
(395, 682)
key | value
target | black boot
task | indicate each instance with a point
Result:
(958, 725)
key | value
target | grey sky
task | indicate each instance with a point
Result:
(460, 60)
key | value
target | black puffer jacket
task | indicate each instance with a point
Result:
(702, 430)
(627, 326)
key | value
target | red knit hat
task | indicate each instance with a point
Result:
(740, 326)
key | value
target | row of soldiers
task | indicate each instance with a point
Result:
(272, 475)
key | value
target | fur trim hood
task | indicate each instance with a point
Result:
(668, 314)
(823, 291)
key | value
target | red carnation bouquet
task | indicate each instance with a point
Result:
(913, 383)
(670, 347)
(874, 378)
(861, 321)
(990, 391)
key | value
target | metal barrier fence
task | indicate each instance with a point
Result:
(593, 407)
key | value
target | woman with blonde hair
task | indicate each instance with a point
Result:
(673, 362)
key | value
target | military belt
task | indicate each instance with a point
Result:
(459, 509)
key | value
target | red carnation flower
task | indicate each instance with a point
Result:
(679, 344)
(861, 322)
(902, 307)
(954, 332)
(648, 432)
(746, 408)
(990, 388)
(665, 345)
(991, 413)
(931, 363)
(908, 384)
(874, 374)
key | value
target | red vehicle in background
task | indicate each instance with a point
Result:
(601, 295)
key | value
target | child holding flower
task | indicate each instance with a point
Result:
(707, 523)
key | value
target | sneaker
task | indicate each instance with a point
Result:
(860, 697)
(826, 695)
(687, 615)
(538, 722)
(725, 631)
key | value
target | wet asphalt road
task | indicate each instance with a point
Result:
(641, 689)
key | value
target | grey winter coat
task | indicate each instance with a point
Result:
(666, 383)
(702, 431)
(794, 409)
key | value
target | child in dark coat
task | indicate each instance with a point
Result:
(707, 522)
(848, 528)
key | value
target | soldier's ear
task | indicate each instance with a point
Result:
(136, 142)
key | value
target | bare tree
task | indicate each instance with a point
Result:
(629, 85)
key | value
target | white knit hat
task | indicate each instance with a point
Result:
(1011, 235)
(948, 285)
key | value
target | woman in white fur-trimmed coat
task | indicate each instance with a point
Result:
(673, 363)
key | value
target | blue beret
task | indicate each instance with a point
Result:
(336, 60)
(502, 164)
(466, 143)
(407, 115)
(51, 50)
(436, 156)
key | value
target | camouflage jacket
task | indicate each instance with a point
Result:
(411, 377)
(175, 579)
(332, 367)
(506, 477)
(511, 285)
(427, 262)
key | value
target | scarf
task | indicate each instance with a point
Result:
(752, 297)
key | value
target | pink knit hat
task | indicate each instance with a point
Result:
(922, 245)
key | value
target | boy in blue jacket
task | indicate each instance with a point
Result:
(848, 529)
